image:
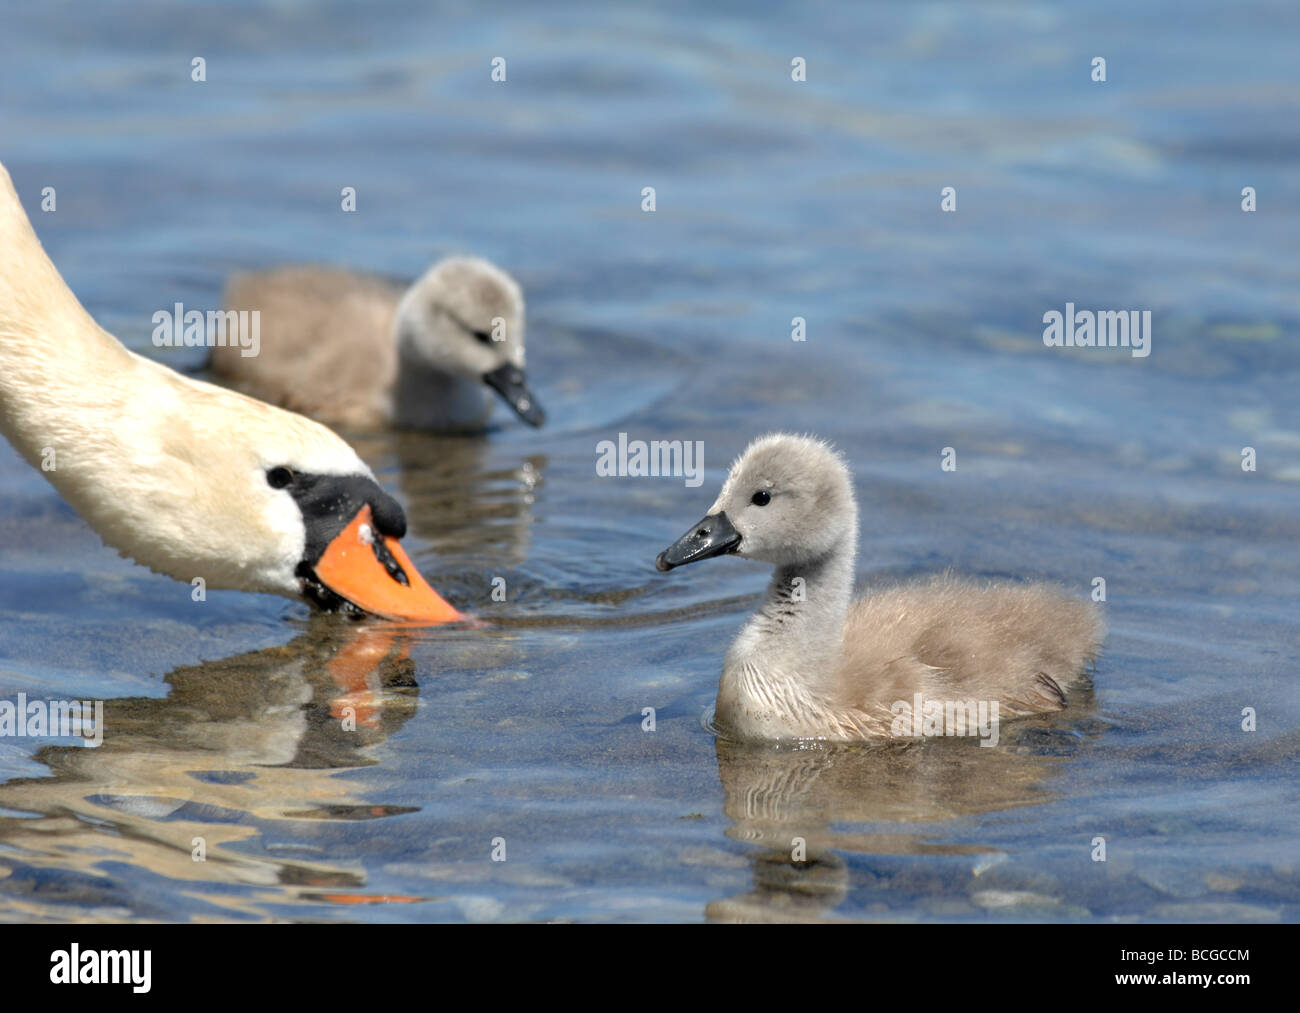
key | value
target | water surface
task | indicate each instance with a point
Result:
(774, 200)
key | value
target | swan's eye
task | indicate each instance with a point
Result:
(279, 478)
(482, 336)
(761, 498)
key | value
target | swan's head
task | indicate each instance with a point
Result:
(194, 481)
(465, 318)
(788, 500)
(205, 483)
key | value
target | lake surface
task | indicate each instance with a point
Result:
(774, 200)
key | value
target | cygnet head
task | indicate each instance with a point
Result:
(788, 500)
(465, 318)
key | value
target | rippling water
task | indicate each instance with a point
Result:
(774, 200)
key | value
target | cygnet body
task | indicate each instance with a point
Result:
(813, 663)
(357, 351)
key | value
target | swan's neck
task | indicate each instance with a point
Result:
(425, 397)
(782, 665)
(52, 353)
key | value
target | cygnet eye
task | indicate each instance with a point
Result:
(761, 498)
(483, 337)
(279, 478)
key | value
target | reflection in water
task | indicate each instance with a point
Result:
(237, 744)
(459, 497)
(775, 794)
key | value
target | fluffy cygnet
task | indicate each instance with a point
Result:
(813, 663)
(355, 350)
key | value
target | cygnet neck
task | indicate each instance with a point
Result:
(784, 663)
(426, 397)
(806, 604)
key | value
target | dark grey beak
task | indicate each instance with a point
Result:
(713, 536)
(509, 381)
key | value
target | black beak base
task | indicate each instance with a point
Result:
(713, 536)
(509, 381)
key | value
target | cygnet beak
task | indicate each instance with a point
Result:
(509, 381)
(713, 536)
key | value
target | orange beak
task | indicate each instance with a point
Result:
(354, 566)
(354, 669)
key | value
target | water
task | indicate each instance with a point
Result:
(774, 200)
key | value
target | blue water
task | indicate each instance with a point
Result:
(774, 199)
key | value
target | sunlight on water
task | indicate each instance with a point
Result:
(223, 722)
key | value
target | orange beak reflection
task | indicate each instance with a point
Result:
(363, 567)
